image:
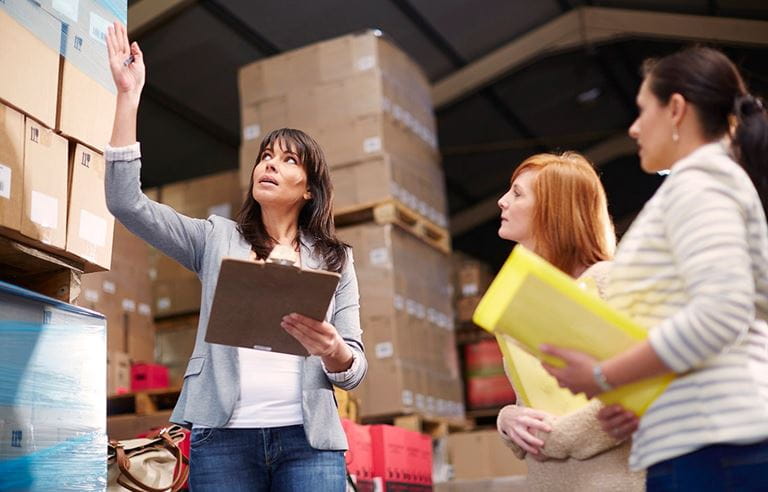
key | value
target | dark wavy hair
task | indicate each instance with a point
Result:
(315, 218)
(708, 80)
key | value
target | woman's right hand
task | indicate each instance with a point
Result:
(520, 425)
(126, 62)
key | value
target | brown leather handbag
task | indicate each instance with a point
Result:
(150, 464)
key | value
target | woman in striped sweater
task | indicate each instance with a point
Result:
(694, 269)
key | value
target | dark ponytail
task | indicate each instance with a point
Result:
(709, 81)
(750, 141)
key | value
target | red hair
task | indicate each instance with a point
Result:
(570, 223)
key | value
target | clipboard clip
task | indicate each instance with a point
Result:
(283, 255)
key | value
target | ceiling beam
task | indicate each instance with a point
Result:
(592, 25)
(598, 154)
(145, 15)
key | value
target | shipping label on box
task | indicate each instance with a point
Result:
(91, 227)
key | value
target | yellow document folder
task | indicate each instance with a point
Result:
(535, 303)
(533, 385)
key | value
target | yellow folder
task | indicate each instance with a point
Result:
(535, 303)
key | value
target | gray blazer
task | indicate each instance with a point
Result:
(212, 379)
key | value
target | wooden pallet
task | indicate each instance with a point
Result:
(432, 425)
(148, 402)
(394, 212)
(483, 417)
(41, 271)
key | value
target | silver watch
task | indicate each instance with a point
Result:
(602, 382)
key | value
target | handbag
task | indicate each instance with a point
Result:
(151, 464)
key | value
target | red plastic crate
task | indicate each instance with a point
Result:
(489, 391)
(148, 376)
(359, 456)
(402, 459)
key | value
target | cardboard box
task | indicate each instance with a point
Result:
(338, 102)
(332, 60)
(473, 278)
(87, 94)
(44, 212)
(29, 50)
(482, 454)
(90, 228)
(130, 426)
(124, 296)
(86, 110)
(355, 140)
(215, 194)
(11, 166)
(465, 307)
(418, 186)
(118, 373)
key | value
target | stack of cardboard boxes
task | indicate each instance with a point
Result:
(56, 110)
(124, 296)
(471, 280)
(369, 107)
(407, 324)
(176, 290)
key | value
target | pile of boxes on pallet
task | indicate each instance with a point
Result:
(124, 295)
(486, 385)
(56, 109)
(176, 290)
(52, 394)
(388, 458)
(56, 114)
(369, 107)
(471, 280)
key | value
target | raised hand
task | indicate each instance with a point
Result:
(126, 62)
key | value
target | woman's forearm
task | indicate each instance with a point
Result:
(124, 128)
(639, 362)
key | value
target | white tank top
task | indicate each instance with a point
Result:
(270, 390)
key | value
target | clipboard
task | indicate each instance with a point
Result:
(251, 299)
(535, 303)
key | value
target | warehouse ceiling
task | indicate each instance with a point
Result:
(510, 78)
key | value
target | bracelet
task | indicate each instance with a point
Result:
(600, 379)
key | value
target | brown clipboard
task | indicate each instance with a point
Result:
(251, 299)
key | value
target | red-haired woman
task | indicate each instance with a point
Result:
(556, 207)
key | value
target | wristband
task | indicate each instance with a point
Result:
(602, 382)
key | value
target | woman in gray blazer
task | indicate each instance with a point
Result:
(259, 420)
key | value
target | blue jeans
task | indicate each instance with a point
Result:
(269, 459)
(720, 467)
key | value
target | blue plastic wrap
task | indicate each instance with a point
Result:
(75, 28)
(52, 394)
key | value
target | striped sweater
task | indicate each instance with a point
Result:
(694, 269)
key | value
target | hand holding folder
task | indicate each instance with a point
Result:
(535, 303)
(253, 296)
